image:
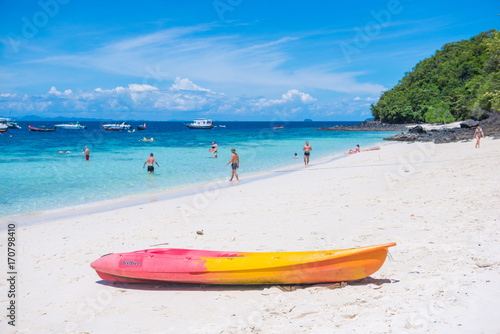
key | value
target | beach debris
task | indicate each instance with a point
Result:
(166, 243)
(287, 288)
(337, 286)
(331, 286)
(306, 314)
(199, 232)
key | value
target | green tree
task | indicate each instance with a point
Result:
(460, 76)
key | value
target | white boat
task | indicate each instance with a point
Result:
(201, 123)
(117, 126)
(11, 124)
(71, 126)
(3, 127)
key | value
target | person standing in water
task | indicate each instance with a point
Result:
(87, 153)
(307, 151)
(235, 163)
(478, 134)
(150, 161)
(214, 149)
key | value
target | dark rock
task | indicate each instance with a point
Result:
(371, 125)
(469, 124)
(490, 122)
(479, 117)
(417, 129)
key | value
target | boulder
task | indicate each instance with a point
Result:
(479, 117)
(469, 124)
(417, 129)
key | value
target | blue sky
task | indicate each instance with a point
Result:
(224, 59)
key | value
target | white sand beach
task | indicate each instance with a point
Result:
(439, 203)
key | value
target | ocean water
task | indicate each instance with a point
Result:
(35, 177)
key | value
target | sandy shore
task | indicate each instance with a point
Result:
(438, 202)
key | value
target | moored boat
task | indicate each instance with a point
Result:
(71, 126)
(3, 127)
(219, 267)
(42, 129)
(9, 122)
(116, 126)
(141, 127)
(200, 123)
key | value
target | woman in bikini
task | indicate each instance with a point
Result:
(357, 150)
(479, 132)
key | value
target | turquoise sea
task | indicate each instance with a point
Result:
(35, 177)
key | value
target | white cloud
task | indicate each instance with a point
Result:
(141, 88)
(186, 84)
(187, 100)
(7, 95)
(367, 99)
(54, 91)
(293, 96)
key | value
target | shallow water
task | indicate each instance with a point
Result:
(34, 176)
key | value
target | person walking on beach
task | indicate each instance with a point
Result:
(150, 161)
(235, 163)
(87, 153)
(214, 149)
(307, 151)
(479, 132)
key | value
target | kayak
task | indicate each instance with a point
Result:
(219, 267)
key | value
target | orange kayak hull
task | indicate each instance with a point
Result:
(241, 268)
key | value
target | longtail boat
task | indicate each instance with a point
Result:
(242, 268)
(32, 128)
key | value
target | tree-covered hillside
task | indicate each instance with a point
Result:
(461, 78)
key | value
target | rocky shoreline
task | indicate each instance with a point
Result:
(490, 122)
(372, 125)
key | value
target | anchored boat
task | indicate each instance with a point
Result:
(200, 123)
(71, 126)
(219, 267)
(42, 129)
(116, 126)
(9, 122)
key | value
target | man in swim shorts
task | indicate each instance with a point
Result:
(235, 163)
(307, 150)
(150, 161)
(87, 153)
